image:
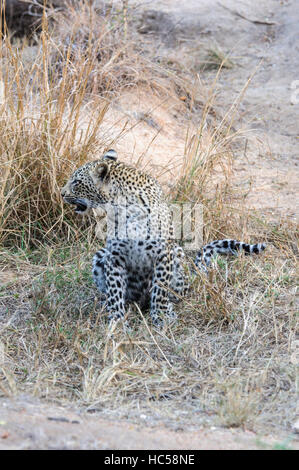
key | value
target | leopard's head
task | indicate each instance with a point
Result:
(108, 183)
(89, 186)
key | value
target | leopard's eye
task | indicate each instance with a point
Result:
(75, 182)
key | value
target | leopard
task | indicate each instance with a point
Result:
(141, 262)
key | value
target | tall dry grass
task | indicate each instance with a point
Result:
(48, 127)
(53, 99)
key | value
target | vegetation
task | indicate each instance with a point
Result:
(229, 358)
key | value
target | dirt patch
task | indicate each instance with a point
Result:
(263, 38)
(28, 424)
(262, 44)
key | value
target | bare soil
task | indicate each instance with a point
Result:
(261, 37)
(263, 49)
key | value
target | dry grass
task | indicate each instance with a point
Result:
(228, 360)
(53, 99)
(215, 59)
(47, 127)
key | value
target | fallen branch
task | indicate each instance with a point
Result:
(255, 21)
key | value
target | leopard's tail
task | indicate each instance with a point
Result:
(224, 247)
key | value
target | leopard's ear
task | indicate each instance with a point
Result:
(100, 172)
(110, 155)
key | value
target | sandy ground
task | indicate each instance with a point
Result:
(266, 162)
(263, 48)
(26, 423)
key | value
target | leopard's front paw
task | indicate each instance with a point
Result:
(158, 321)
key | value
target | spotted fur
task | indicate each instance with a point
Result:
(225, 247)
(141, 261)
